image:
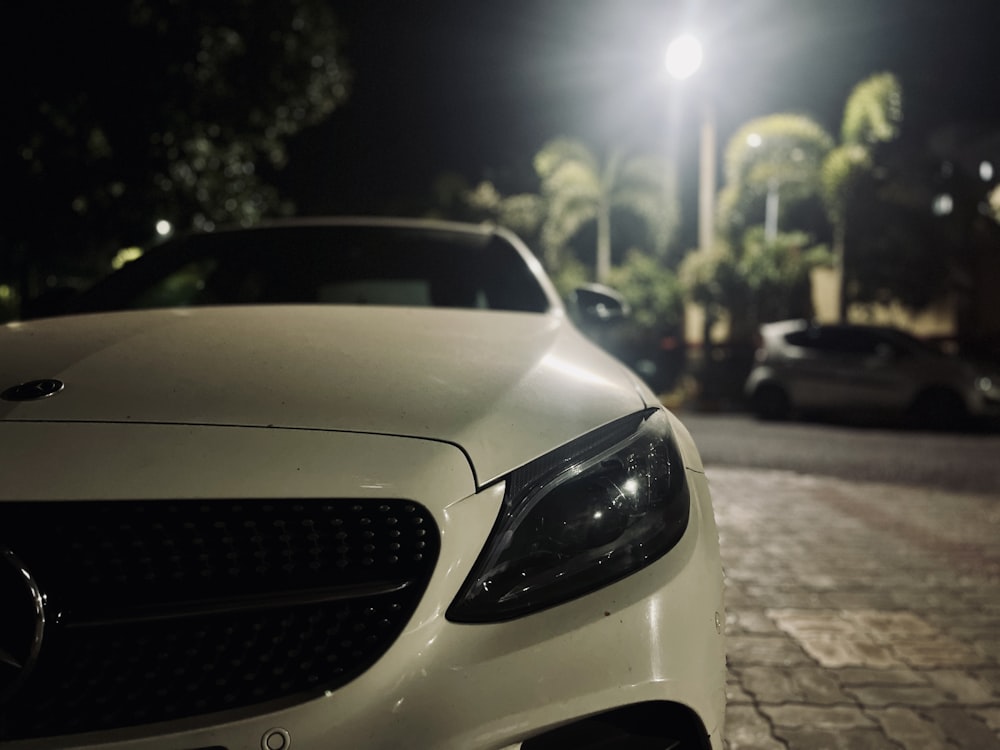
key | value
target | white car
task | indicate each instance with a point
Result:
(346, 483)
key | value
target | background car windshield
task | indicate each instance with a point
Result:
(325, 265)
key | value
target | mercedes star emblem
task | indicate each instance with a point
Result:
(33, 390)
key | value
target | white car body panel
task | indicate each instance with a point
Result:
(506, 387)
(155, 461)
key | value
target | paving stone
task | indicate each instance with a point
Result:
(889, 627)
(990, 676)
(964, 728)
(823, 581)
(989, 648)
(817, 717)
(878, 599)
(836, 652)
(942, 651)
(797, 622)
(910, 729)
(961, 686)
(974, 634)
(865, 676)
(805, 684)
(792, 598)
(750, 621)
(984, 597)
(944, 602)
(747, 729)
(844, 634)
(902, 695)
(737, 598)
(989, 715)
(735, 693)
(813, 739)
(759, 649)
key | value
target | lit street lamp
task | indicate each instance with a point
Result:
(684, 57)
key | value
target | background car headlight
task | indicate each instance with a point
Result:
(580, 518)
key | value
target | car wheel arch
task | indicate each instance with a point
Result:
(770, 400)
(937, 405)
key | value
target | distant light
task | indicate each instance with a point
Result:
(125, 255)
(943, 205)
(684, 56)
(986, 171)
(164, 227)
(754, 140)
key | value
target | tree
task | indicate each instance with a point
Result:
(453, 198)
(776, 274)
(756, 273)
(872, 118)
(778, 156)
(874, 111)
(765, 281)
(581, 190)
(653, 292)
(176, 110)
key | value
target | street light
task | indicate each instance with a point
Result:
(684, 58)
(754, 140)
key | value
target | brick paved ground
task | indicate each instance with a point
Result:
(860, 616)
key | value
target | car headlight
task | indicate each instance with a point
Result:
(579, 518)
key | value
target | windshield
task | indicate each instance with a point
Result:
(333, 264)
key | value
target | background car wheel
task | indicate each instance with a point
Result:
(771, 402)
(938, 409)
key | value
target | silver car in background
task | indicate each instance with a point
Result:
(805, 368)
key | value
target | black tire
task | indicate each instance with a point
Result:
(938, 409)
(770, 403)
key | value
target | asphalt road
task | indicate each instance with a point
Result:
(960, 462)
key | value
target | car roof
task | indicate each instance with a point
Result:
(484, 229)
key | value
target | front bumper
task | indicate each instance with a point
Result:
(654, 636)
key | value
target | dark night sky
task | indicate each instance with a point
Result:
(477, 87)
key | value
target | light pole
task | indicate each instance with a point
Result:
(684, 58)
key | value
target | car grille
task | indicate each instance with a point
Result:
(171, 609)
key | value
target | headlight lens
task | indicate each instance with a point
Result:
(580, 518)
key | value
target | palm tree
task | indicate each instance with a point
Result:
(579, 188)
(872, 117)
(780, 153)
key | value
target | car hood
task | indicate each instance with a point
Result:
(504, 387)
